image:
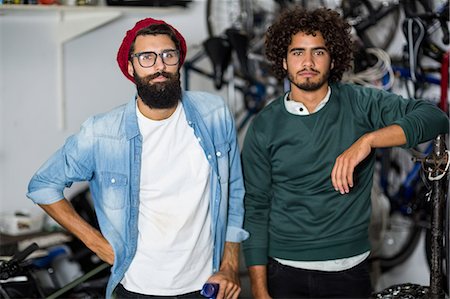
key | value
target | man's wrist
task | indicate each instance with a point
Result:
(260, 292)
(368, 139)
(230, 267)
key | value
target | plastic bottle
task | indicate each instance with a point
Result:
(210, 290)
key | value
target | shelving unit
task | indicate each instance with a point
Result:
(75, 21)
(17, 9)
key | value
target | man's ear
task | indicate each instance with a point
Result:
(285, 64)
(130, 69)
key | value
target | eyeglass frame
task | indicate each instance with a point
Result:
(156, 57)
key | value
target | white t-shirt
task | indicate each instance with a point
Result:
(174, 247)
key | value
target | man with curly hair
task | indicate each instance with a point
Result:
(308, 161)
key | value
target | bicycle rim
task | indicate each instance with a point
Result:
(400, 240)
(251, 16)
(224, 14)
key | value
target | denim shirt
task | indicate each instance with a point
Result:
(107, 153)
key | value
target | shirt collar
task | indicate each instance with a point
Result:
(298, 108)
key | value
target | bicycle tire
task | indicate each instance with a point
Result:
(398, 250)
(20, 289)
(409, 210)
(252, 17)
(221, 15)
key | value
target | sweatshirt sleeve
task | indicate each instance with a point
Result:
(421, 120)
(257, 170)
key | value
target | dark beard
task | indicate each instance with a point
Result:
(311, 86)
(159, 95)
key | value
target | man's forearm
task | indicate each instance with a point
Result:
(343, 169)
(258, 281)
(230, 258)
(228, 275)
(386, 137)
(63, 212)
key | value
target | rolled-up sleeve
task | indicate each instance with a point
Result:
(235, 232)
(71, 163)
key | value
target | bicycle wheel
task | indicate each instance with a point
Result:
(375, 21)
(251, 16)
(401, 183)
(224, 14)
(399, 241)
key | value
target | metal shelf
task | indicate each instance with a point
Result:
(25, 9)
(75, 21)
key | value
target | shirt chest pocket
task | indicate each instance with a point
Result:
(114, 189)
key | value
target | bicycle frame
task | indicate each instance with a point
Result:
(253, 91)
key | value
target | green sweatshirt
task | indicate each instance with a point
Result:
(292, 210)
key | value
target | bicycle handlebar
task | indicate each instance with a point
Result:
(11, 267)
(20, 256)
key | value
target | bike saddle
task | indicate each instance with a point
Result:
(414, 31)
(239, 42)
(218, 50)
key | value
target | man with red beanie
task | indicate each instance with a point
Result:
(165, 176)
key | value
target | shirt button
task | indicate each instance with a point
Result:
(113, 180)
(218, 154)
(199, 139)
(209, 157)
(218, 177)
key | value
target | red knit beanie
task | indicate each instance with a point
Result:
(122, 54)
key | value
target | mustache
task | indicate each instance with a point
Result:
(164, 74)
(309, 70)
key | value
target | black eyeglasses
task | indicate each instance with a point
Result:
(148, 59)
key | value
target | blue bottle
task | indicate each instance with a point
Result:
(210, 290)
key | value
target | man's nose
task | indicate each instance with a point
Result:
(308, 60)
(159, 64)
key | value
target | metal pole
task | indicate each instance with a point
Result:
(438, 157)
(436, 165)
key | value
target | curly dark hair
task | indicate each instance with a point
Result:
(334, 29)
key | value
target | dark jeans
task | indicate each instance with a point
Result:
(122, 293)
(289, 282)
